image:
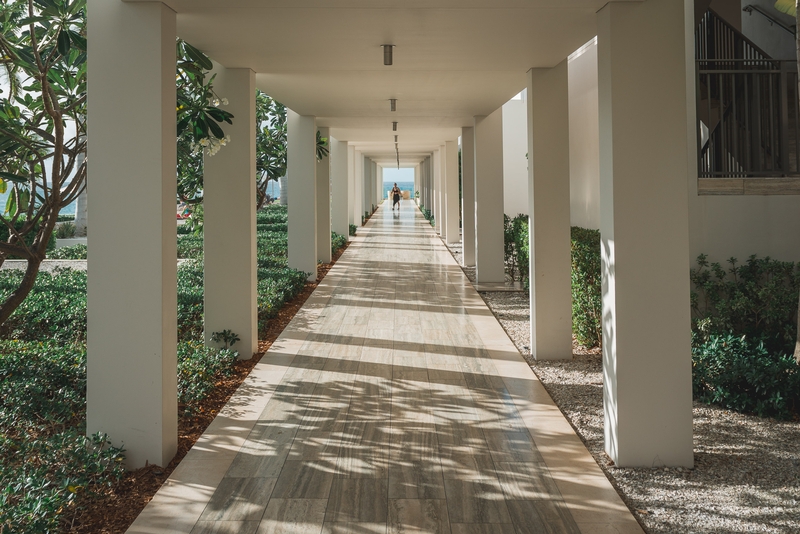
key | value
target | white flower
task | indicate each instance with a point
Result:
(224, 101)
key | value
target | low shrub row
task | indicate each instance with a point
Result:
(72, 252)
(428, 215)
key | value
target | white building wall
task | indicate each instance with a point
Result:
(720, 226)
(515, 164)
(584, 138)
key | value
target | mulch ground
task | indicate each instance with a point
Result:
(115, 509)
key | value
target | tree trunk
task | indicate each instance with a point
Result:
(16, 298)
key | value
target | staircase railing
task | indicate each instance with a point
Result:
(746, 106)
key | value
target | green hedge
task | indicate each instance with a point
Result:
(757, 299)
(587, 305)
(742, 375)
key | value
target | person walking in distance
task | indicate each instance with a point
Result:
(395, 197)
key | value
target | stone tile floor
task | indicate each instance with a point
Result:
(394, 402)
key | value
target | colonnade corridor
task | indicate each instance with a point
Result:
(393, 402)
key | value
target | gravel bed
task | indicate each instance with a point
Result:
(747, 469)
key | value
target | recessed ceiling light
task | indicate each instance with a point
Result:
(387, 54)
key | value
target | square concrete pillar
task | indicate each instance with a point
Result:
(301, 165)
(324, 203)
(489, 250)
(549, 207)
(358, 207)
(378, 183)
(468, 193)
(452, 201)
(352, 213)
(646, 69)
(229, 224)
(416, 182)
(132, 290)
(339, 187)
(438, 190)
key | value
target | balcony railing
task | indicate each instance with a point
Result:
(747, 106)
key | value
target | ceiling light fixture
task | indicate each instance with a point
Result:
(393, 104)
(387, 54)
(394, 126)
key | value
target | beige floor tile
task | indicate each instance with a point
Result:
(358, 500)
(427, 516)
(293, 516)
(239, 499)
(225, 527)
(471, 501)
(303, 480)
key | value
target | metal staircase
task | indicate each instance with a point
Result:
(747, 105)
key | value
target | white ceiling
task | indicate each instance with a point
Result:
(453, 59)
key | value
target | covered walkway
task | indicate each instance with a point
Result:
(393, 402)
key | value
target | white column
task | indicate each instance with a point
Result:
(352, 213)
(549, 206)
(489, 260)
(468, 192)
(339, 187)
(324, 203)
(438, 211)
(452, 203)
(229, 224)
(301, 164)
(378, 181)
(646, 69)
(358, 207)
(132, 293)
(417, 178)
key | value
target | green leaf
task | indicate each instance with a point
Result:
(63, 43)
(11, 204)
(13, 177)
(3, 186)
(215, 129)
(24, 199)
(197, 56)
(786, 6)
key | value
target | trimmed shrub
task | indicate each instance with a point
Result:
(65, 230)
(199, 368)
(587, 304)
(338, 242)
(353, 229)
(190, 246)
(55, 309)
(742, 375)
(757, 299)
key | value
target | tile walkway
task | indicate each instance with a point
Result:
(393, 403)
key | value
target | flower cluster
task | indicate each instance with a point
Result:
(210, 145)
(216, 102)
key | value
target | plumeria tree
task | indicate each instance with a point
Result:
(270, 144)
(199, 120)
(42, 127)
